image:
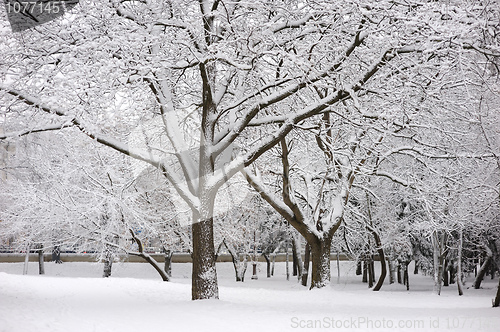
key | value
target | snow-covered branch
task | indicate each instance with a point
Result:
(35, 130)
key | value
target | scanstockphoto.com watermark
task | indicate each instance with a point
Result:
(368, 323)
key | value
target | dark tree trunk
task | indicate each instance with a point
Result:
(168, 262)
(482, 271)
(446, 273)
(307, 259)
(108, 261)
(41, 265)
(496, 301)
(400, 278)
(268, 265)
(287, 263)
(273, 262)
(371, 271)
(365, 271)
(320, 274)
(451, 268)
(108, 264)
(359, 268)
(392, 270)
(381, 255)
(460, 286)
(297, 258)
(493, 269)
(406, 276)
(415, 270)
(295, 265)
(372, 267)
(204, 277)
(56, 255)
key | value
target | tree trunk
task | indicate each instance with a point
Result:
(445, 273)
(482, 271)
(365, 270)
(268, 265)
(451, 269)
(204, 276)
(320, 274)
(460, 286)
(108, 264)
(371, 276)
(338, 268)
(496, 301)
(381, 255)
(359, 268)
(307, 259)
(273, 262)
(294, 261)
(400, 278)
(56, 255)
(406, 276)
(415, 269)
(383, 271)
(41, 264)
(287, 263)
(392, 270)
(439, 252)
(297, 258)
(167, 267)
(26, 260)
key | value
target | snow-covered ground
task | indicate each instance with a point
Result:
(72, 297)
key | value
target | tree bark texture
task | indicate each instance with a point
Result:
(204, 277)
(381, 255)
(307, 259)
(168, 262)
(392, 271)
(41, 264)
(268, 265)
(320, 250)
(297, 258)
(496, 301)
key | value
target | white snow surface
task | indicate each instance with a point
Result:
(71, 297)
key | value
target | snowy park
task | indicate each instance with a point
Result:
(74, 297)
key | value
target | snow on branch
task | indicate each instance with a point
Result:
(395, 179)
(35, 130)
(293, 24)
(412, 150)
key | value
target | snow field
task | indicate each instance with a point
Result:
(72, 297)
